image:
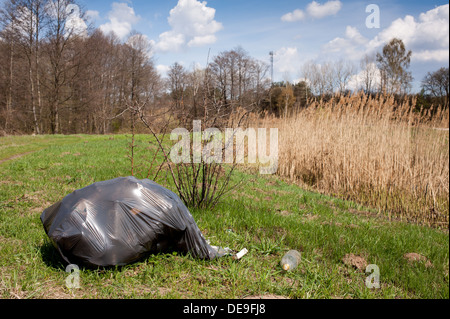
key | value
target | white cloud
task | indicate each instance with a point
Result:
(296, 15)
(92, 14)
(170, 41)
(122, 18)
(314, 10)
(202, 40)
(162, 69)
(351, 46)
(317, 10)
(353, 35)
(286, 60)
(192, 24)
(357, 81)
(427, 37)
(401, 28)
(432, 55)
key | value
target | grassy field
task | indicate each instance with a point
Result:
(266, 215)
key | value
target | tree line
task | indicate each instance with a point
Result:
(59, 75)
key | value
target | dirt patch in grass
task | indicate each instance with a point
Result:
(354, 261)
(14, 242)
(236, 195)
(9, 182)
(64, 154)
(262, 191)
(14, 157)
(310, 217)
(415, 257)
(286, 281)
(59, 292)
(162, 291)
(283, 212)
(273, 183)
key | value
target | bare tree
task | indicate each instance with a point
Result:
(59, 50)
(57, 77)
(393, 62)
(370, 73)
(261, 83)
(321, 77)
(310, 74)
(220, 71)
(177, 77)
(236, 76)
(343, 71)
(8, 19)
(327, 77)
(196, 79)
(7, 77)
(29, 23)
(436, 84)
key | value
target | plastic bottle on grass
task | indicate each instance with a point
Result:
(290, 260)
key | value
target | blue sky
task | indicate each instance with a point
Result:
(297, 31)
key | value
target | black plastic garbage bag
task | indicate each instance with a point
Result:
(117, 222)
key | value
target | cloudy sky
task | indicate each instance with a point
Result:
(185, 31)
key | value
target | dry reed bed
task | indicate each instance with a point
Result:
(370, 150)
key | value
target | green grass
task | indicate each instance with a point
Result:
(265, 215)
(11, 146)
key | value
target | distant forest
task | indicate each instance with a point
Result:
(56, 79)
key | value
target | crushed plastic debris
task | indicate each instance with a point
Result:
(221, 252)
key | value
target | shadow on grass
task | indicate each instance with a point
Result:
(51, 257)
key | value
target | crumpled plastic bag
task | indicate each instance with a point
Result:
(117, 222)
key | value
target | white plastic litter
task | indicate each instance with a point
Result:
(241, 254)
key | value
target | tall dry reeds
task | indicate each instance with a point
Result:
(372, 150)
